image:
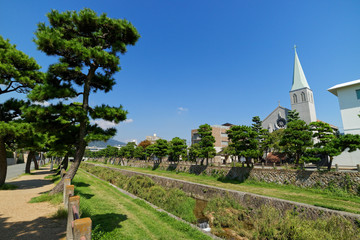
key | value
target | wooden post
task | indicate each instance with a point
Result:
(67, 182)
(274, 165)
(68, 192)
(336, 167)
(82, 228)
(73, 201)
(358, 167)
(262, 165)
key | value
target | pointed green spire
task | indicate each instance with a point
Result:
(299, 79)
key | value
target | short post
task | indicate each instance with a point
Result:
(219, 164)
(286, 166)
(67, 182)
(73, 201)
(358, 167)
(68, 192)
(262, 165)
(274, 165)
(82, 228)
(336, 167)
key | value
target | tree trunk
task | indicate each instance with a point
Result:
(80, 148)
(330, 163)
(35, 162)
(65, 162)
(28, 161)
(3, 162)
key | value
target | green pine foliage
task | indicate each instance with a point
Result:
(87, 46)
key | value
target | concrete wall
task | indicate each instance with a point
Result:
(249, 200)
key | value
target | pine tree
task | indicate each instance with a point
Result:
(206, 144)
(87, 46)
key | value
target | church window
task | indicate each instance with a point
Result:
(303, 99)
(358, 94)
(295, 98)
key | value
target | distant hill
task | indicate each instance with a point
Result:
(101, 144)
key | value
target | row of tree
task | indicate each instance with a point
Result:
(317, 142)
(176, 150)
(87, 47)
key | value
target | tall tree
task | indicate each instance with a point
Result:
(88, 46)
(18, 73)
(296, 139)
(161, 148)
(243, 139)
(206, 144)
(177, 148)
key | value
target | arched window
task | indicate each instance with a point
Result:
(303, 97)
(294, 98)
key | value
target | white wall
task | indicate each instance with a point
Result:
(350, 109)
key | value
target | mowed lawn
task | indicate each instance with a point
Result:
(317, 197)
(118, 216)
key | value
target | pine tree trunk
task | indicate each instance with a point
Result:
(65, 162)
(330, 163)
(28, 162)
(3, 162)
(80, 148)
(35, 162)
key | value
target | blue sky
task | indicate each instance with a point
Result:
(212, 61)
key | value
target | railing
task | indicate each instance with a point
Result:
(77, 228)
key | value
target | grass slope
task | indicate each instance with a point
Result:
(117, 216)
(318, 197)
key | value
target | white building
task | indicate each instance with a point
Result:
(301, 98)
(349, 100)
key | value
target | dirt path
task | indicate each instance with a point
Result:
(20, 219)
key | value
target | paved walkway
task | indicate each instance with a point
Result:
(20, 219)
(16, 170)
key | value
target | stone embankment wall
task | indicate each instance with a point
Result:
(349, 181)
(248, 200)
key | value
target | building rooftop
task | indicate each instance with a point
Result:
(334, 89)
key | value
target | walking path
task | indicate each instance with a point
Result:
(20, 219)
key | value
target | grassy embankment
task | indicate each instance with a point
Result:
(230, 220)
(118, 216)
(336, 199)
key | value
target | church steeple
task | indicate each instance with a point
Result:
(301, 96)
(299, 79)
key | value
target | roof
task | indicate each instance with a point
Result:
(334, 89)
(299, 79)
(276, 110)
(332, 126)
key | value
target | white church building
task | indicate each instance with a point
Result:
(301, 98)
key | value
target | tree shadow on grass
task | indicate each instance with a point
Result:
(106, 222)
(40, 228)
(81, 184)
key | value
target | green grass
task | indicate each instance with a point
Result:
(45, 197)
(7, 186)
(338, 200)
(61, 213)
(269, 223)
(118, 216)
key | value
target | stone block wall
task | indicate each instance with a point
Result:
(248, 200)
(345, 180)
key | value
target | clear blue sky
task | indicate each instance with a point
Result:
(212, 61)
